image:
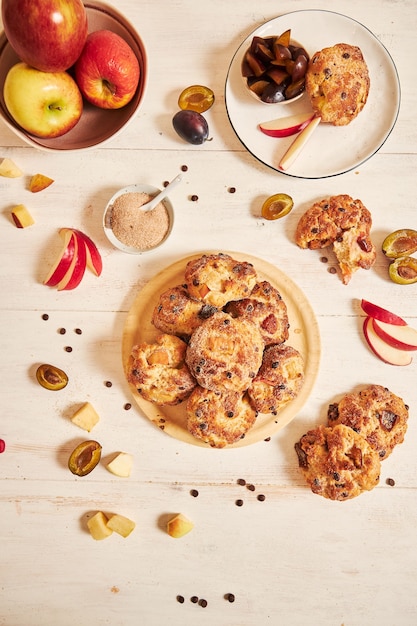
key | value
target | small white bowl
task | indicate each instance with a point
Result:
(137, 188)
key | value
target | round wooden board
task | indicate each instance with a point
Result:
(304, 336)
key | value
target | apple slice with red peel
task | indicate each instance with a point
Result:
(401, 337)
(383, 350)
(380, 314)
(76, 271)
(63, 262)
(298, 144)
(286, 126)
(94, 260)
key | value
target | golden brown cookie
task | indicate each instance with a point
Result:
(178, 314)
(337, 462)
(265, 308)
(159, 372)
(343, 223)
(375, 413)
(225, 354)
(337, 82)
(279, 379)
(219, 419)
(218, 278)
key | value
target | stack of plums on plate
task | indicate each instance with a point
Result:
(274, 68)
(61, 65)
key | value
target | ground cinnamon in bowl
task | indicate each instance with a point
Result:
(133, 229)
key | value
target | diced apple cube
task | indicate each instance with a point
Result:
(86, 417)
(121, 465)
(38, 182)
(21, 216)
(179, 526)
(97, 525)
(121, 525)
(9, 169)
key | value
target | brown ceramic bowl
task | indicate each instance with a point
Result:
(96, 125)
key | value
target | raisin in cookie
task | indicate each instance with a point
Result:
(375, 413)
(341, 222)
(177, 313)
(225, 353)
(279, 379)
(337, 462)
(337, 83)
(217, 278)
(219, 418)
(265, 308)
(159, 372)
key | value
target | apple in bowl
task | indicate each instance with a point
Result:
(107, 71)
(45, 104)
(46, 34)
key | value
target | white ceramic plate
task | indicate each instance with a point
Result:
(304, 336)
(331, 150)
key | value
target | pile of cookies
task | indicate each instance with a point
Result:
(341, 460)
(222, 348)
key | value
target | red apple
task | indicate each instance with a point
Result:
(107, 71)
(46, 34)
(401, 337)
(383, 350)
(380, 314)
(76, 270)
(94, 260)
(298, 144)
(286, 126)
(64, 260)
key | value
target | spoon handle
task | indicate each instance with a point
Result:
(162, 194)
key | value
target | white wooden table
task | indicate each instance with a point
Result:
(293, 559)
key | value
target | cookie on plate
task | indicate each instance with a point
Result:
(225, 353)
(159, 372)
(218, 278)
(337, 462)
(341, 222)
(219, 418)
(278, 380)
(375, 413)
(265, 308)
(337, 83)
(177, 313)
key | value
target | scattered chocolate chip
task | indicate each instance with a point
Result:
(390, 482)
(184, 168)
(261, 497)
(45, 316)
(241, 481)
(194, 493)
(62, 331)
(78, 331)
(68, 349)
(267, 439)
(239, 502)
(194, 599)
(108, 383)
(165, 183)
(194, 198)
(324, 259)
(332, 270)
(203, 603)
(232, 189)
(180, 599)
(230, 597)
(250, 487)
(127, 406)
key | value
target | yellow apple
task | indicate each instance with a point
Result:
(45, 104)
(179, 526)
(9, 169)
(121, 525)
(121, 465)
(21, 216)
(97, 525)
(86, 417)
(39, 182)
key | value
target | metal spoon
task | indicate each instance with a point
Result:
(148, 206)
